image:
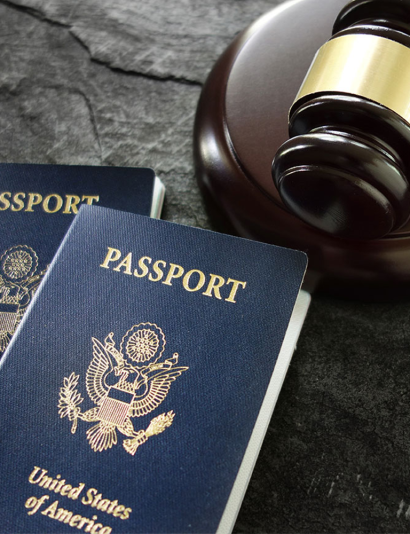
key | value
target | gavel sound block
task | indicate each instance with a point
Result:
(359, 244)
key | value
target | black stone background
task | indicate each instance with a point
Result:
(116, 82)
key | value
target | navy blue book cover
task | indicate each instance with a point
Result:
(37, 206)
(130, 392)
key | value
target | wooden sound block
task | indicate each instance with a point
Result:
(242, 119)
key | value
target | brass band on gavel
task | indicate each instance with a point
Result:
(369, 66)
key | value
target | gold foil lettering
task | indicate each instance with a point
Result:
(113, 254)
(30, 503)
(32, 477)
(126, 262)
(35, 503)
(96, 500)
(175, 271)
(215, 283)
(55, 483)
(90, 526)
(199, 285)
(58, 203)
(235, 285)
(144, 268)
(52, 202)
(45, 482)
(75, 492)
(5, 201)
(88, 499)
(51, 510)
(71, 204)
(158, 271)
(60, 487)
(92, 498)
(66, 489)
(33, 200)
(83, 521)
(118, 510)
(18, 202)
(112, 506)
(75, 520)
(89, 199)
(62, 515)
(126, 513)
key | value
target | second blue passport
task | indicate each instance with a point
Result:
(37, 205)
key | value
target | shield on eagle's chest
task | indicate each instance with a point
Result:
(8, 317)
(115, 406)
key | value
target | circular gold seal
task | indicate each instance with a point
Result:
(18, 263)
(143, 342)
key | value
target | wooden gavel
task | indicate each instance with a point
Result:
(346, 167)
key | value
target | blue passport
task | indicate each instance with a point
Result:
(37, 206)
(135, 395)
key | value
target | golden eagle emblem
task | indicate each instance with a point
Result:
(126, 383)
(19, 281)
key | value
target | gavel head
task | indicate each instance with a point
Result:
(346, 167)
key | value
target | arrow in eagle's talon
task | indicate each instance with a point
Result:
(131, 445)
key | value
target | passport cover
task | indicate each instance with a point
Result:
(138, 378)
(37, 205)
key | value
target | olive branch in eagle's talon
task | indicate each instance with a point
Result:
(69, 400)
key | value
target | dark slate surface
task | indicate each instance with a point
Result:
(116, 83)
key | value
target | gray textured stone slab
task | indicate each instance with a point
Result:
(336, 457)
(174, 39)
(58, 106)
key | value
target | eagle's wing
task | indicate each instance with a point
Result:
(158, 390)
(99, 367)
